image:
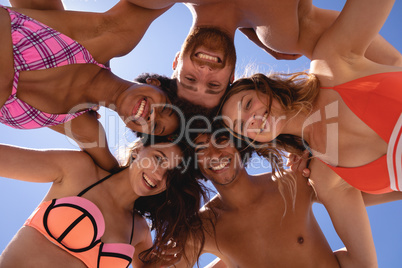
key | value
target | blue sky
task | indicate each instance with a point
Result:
(155, 53)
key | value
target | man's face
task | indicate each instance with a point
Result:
(217, 158)
(205, 66)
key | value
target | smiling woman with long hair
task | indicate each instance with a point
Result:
(93, 218)
(348, 110)
(54, 71)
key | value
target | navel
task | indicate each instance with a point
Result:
(300, 240)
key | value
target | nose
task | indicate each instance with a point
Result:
(152, 115)
(203, 68)
(254, 121)
(160, 173)
(214, 153)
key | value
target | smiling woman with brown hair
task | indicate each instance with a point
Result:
(53, 71)
(92, 218)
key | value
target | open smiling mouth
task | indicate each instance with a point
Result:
(141, 109)
(204, 56)
(148, 181)
(264, 121)
(221, 166)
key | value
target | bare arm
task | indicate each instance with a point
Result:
(356, 29)
(38, 4)
(89, 134)
(376, 199)
(170, 257)
(250, 33)
(348, 214)
(145, 244)
(37, 165)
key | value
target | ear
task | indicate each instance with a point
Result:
(232, 77)
(134, 153)
(176, 60)
(153, 81)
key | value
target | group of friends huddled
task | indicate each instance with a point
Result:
(338, 126)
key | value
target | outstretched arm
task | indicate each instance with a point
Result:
(348, 214)
(38, 165)
(38, 4)
(355, 29)
(250, 33)
(90, 136)
(376, 199)
(382, 52)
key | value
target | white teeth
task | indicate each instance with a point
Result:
(207, 57)
(221, 166)
(148, 181)
(264, 121)
(141, 109)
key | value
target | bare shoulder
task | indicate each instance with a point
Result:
(141, 223)
(77, 167)
(210, 211)
(141, 229)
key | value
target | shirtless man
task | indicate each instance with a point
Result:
(285, 29)
(249, 218)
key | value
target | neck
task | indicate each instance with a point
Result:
(105, 89)
(299, 124)
(120, 189)
(241, 193)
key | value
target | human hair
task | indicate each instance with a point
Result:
(294, 92)
(173, 213)
(169, 86)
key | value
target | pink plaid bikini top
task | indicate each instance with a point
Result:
(38, 47)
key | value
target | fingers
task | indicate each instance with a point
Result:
(170, 255)
(299, 163)
(306, 173)
(95, 110)
(170, 260)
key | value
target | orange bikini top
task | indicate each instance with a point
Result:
(76, 225)
(377, 101)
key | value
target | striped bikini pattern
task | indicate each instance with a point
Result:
(394, 157)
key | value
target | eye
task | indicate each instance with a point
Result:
(155, 128)
(159, 159)
(248, 104)
(221, 140)
(190, 79)
(214, 85)
(200, 148)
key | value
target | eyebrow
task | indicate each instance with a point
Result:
(188, 87)
(203, 142)
(241, 125)
(213, 92)
(161, 153)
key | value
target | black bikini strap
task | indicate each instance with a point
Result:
(132, 230)
(96, 183)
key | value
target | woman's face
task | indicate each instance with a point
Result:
(148, 171)
(246, 113)
(145, 108)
